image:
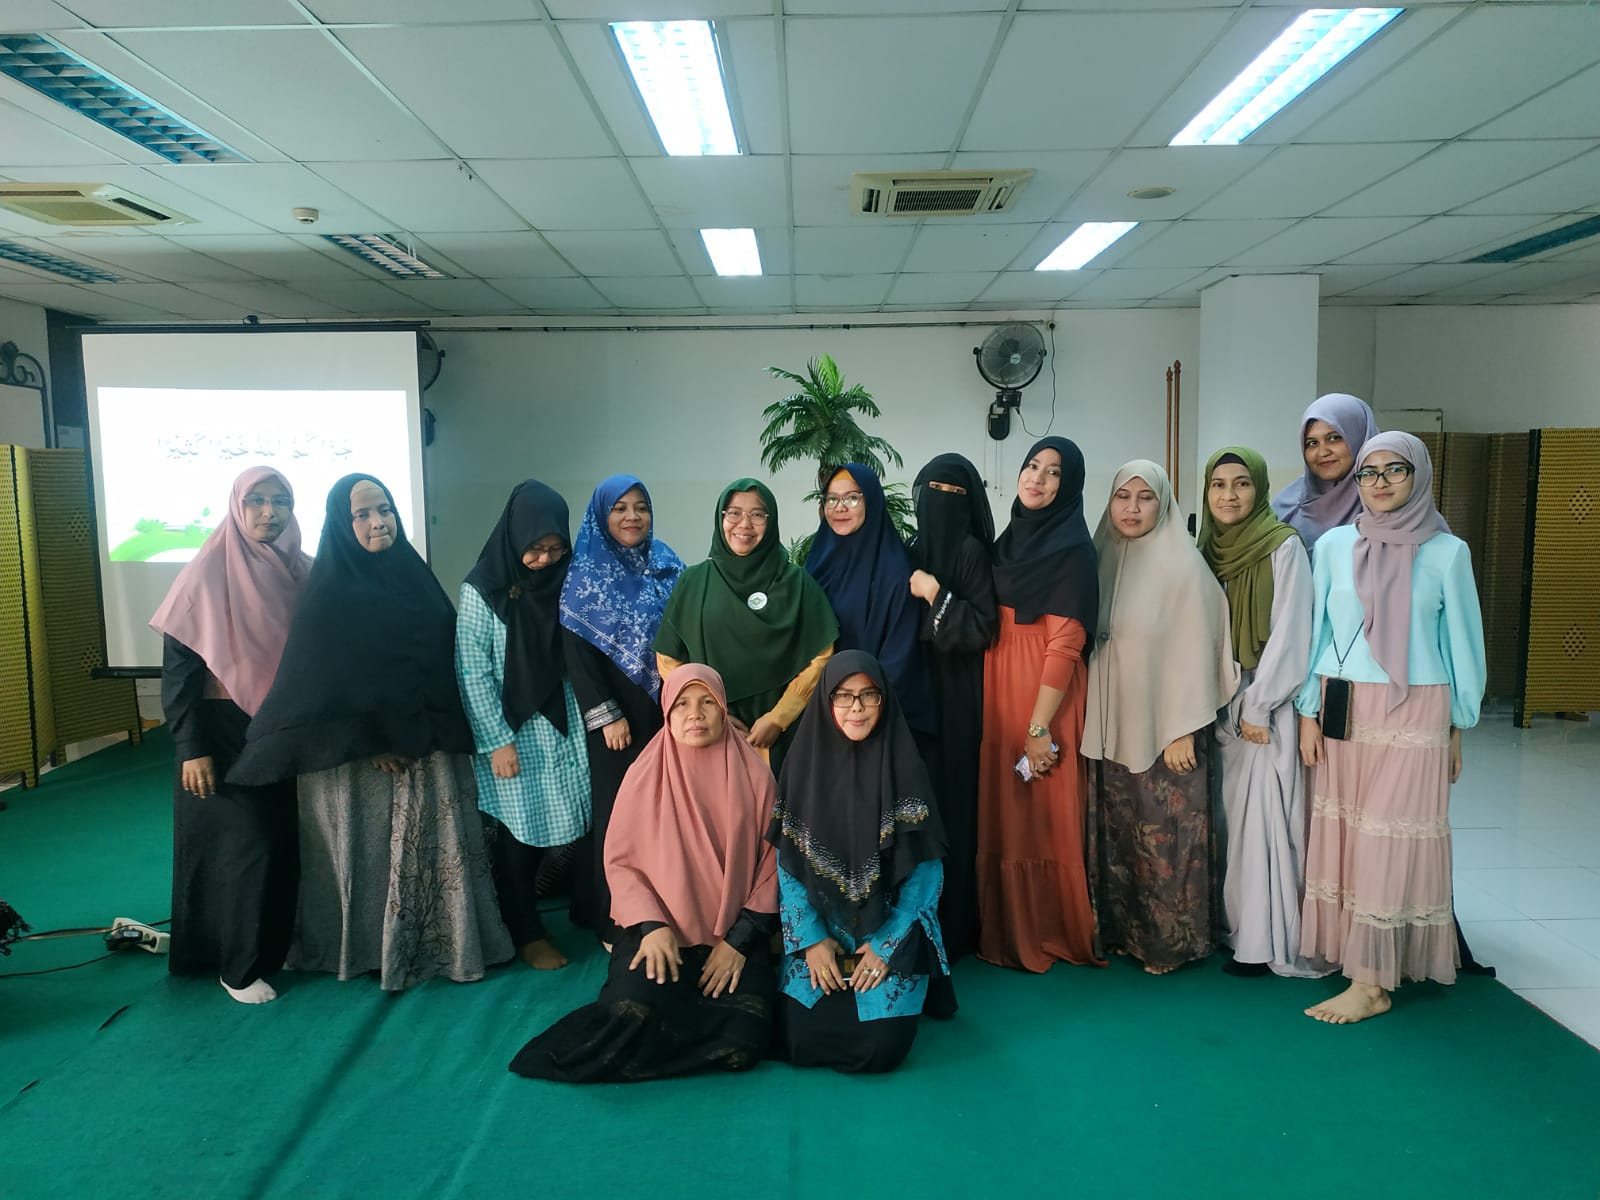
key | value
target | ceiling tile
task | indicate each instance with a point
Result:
(569, 193)
(625, 254)
(1573, 185)
(554, 295)
(822, 182)
(750, 62)
(181, 301)
(268, 194)
(304, 261)
(752, 294)
(1200, 243)
(457, 297)
(658, 10)
(371, 298)
(32, 141)
(1338, 280)
(841, 291)
(910, 8)
(243, 74)
(599, 64)
(1197, 172)
(874, 97)
(940, 287)
(185, 13)
(500, 255)
(662, 292)
(1419, 281)
(1298, 181)
(1082, 80)
(279, 300)
(153, 257)
(89, 300)
(1057, 175)
(772, 243)
(423, 197)
(1035, 287)
(1318, 240)
(1570, 109)
(208, 216)
(469, 84)
(1493, 58)
(1549, 279)
(1128, 284)
(1439, 238)
(1453, 175)
(989, 248)
(418, 12)
(873, 246)
(716, 193)
(35, 16)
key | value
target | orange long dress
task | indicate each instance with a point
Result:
(1033, 891)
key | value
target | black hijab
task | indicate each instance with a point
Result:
(946, 519)
(854, 819)
(528, 602)
(369, 665)
(1044, 562)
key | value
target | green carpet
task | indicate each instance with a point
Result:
(1080, 1082)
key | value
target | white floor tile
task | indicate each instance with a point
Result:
(1585, 935)
(1525, 954)
(1475, 904)
(1498, 848)
(1576, 1008)
(1548, 893)
(1578, 842)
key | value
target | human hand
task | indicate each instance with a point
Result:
(658, 951)
(722, 969)
(1253, 733)
(924, 586)
(618, 735)
(1310, 742)
(1179, 754)
(1455, 754)
(504, 762)
(823, 960)
(199, 776)
(1041, 757)
(391, 764)
(870, 970)
(764, 732)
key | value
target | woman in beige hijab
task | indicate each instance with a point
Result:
(1162, 668)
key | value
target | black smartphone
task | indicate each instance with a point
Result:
(1336, 709)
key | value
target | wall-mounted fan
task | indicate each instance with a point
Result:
(429, 359)
(1009, 360)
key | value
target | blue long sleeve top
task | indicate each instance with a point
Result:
(1446, 643)
(916, 904)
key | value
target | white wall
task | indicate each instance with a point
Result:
(682, 409)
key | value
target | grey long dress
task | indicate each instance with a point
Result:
(1264, 787)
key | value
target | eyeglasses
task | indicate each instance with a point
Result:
(546, 553)
(737, 516)
(1393, 473)
(845, 701)
(850, 500)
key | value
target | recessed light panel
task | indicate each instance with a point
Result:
(387, 253)
(678, 72)
(39, 260)
(1084, 244)
(732, 251)
(1315, 43)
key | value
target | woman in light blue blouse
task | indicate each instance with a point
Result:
(531, 763)
(1398, 670)
(859, 872)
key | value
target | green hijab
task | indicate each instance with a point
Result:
(709, 617)
(1241, 556)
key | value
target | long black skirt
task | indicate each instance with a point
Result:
(235, 866)
(831, 1034)
(639, 1029)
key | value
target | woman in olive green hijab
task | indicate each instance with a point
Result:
(1262, 565)
(749, 613)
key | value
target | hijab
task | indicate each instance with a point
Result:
(1164, 665)
(854, 818)
(684, 844)
(1044, 561)
(945, 520)
(232, 602)
(615, 595)
(1314, 506)
(369, 665)
(759, 620)
(1385, 553)
(1240, 555)
(528, 602)
(866, 576)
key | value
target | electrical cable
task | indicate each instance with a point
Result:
(53, 970)
(1023, 421)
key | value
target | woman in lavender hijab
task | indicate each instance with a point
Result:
(1333, 431)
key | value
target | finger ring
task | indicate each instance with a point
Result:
(874, 971)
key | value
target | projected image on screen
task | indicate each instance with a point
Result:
(168, 458)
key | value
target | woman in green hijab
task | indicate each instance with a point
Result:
(1262, 565)
(754, 617)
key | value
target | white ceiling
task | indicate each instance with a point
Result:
(505, 140)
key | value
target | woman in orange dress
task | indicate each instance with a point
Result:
(1033, 893)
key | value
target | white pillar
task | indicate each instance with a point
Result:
(1258, 371)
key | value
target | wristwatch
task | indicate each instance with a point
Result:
(1038, 731)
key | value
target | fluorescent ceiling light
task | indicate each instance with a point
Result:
(55, 265)
(52, 70)
(387, 253)
(1543, 243)
(1085, 243)
(1313, 45)
(732, 251)
(678, 72)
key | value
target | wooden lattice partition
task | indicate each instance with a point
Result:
(1500, 567)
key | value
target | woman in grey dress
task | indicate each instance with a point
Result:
(364, 709)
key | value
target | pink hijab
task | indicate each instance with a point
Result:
(687, 844)
(1312, 505)
(1385, 553)
(232, 603)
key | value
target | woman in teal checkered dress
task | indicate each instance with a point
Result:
(531, 763)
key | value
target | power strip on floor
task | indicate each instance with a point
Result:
(128, 934)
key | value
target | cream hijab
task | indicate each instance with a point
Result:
(1163, 664)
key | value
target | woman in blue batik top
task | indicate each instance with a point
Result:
(859, 872)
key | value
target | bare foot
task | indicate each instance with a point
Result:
(1356, 1003)
(543, 955)
(259, 992)
(1153, 970)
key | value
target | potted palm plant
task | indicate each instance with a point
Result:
(817, 423)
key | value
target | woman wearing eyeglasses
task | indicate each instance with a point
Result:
(859, 843)
(754, 617)
(1398, 670)
(862, 566)
(532, 765)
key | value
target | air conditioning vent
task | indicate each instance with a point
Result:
(936, 193)
(91, 205)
